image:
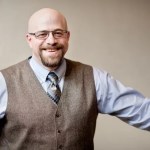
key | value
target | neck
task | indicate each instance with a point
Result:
(49, 68)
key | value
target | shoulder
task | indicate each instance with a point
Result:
(15, 69)
(2, 82)
(77, 65)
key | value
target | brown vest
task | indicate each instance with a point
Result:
(34, 122)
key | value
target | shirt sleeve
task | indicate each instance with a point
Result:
(126, 103)
(3, 96)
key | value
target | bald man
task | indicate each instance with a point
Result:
(48, 102)
(49, 51)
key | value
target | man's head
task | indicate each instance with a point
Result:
(48, 37)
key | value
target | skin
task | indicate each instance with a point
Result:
(49, 52)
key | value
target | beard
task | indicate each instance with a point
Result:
(52, 61)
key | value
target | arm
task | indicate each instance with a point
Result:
(3, 96)
(123, 102)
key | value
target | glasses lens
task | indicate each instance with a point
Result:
(58, 33)
(41, 35)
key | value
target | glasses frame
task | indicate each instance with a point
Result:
(64, 32)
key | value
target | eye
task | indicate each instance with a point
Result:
(58, 33)
(41, 34)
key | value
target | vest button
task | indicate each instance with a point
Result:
(58, 115)
(59, 131)
(60, 147)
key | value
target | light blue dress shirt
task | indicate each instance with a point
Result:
(112, 96)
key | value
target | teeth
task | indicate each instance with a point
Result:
(50, 50)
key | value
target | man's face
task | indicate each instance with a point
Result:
(49, 51)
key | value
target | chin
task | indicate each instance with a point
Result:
(52, 63)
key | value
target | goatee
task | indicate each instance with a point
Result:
(52, 61)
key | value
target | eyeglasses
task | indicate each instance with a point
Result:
(57, 34)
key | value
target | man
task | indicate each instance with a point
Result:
(39, 114)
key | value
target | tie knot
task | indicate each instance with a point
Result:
(52, 77)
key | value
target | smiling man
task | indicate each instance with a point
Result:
(48, 102)
(48, 37)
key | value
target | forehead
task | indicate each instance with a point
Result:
(47, 21)
(49, 25)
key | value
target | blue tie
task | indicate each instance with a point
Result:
(53, 90)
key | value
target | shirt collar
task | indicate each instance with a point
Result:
(42, 72)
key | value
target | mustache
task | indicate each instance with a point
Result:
(56, 47)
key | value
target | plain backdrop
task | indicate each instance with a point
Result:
(113, 35)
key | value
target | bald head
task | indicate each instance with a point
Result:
(46, 19)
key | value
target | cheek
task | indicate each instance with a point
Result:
(65, 43)
(66, 46)
(36, 46)
(36, 49)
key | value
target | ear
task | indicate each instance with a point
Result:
(68, 35)
(29, 39)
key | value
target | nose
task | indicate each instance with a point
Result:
(50, 39)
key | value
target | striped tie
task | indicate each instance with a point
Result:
(53, 90)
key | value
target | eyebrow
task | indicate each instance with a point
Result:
(51, 30)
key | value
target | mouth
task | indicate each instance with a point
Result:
(51, 52)
(49, 49)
